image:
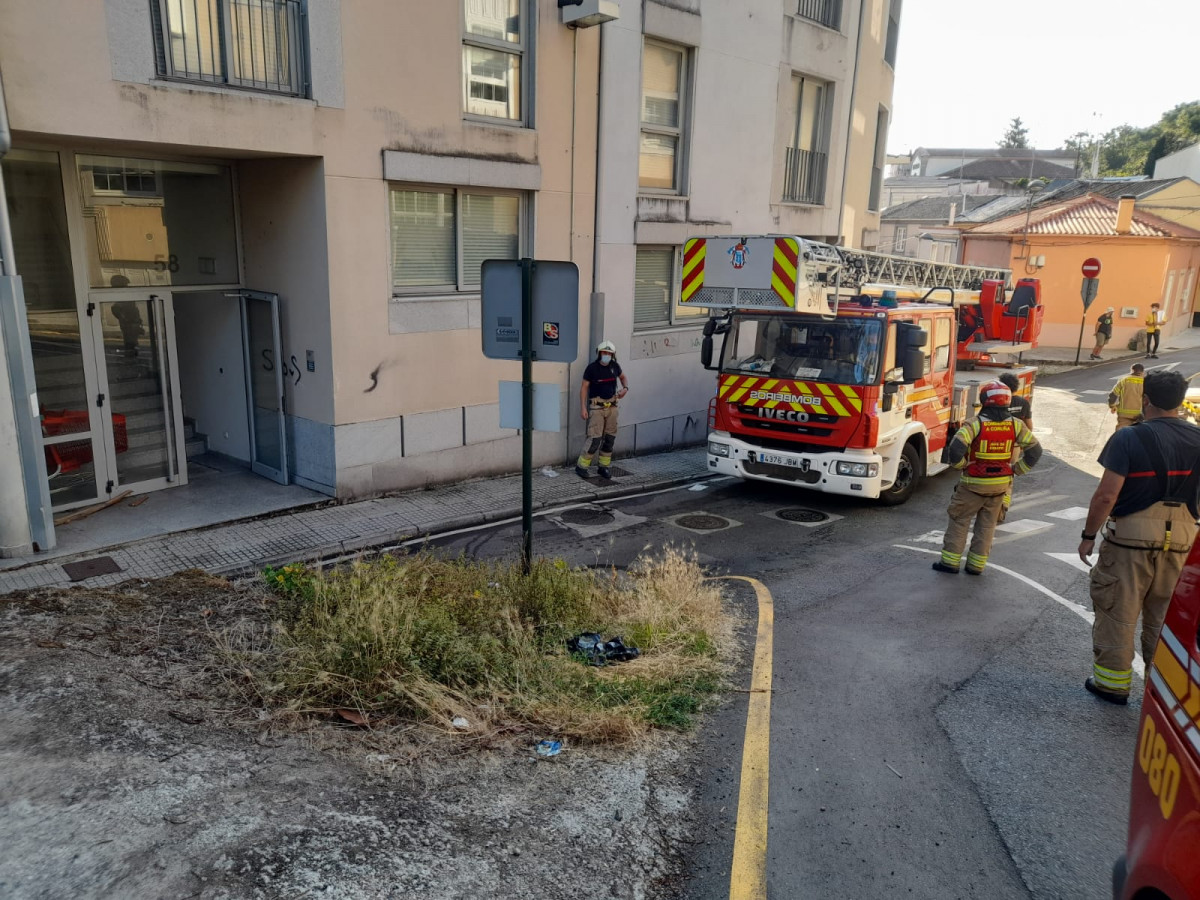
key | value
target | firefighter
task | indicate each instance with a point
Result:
(1126, 397)
(983, 448)
(1147, 504)
(1018, 408)
(598, 396)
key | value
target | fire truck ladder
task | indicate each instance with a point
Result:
(862, 267)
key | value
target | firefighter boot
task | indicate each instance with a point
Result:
(1116, 697)
(581, 471)
(605, 472)
(940, 566)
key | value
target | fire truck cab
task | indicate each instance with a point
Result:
(832, 379)
(1162, 855)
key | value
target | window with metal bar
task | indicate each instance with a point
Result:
(255, 44)
(823, 12)
(441, 236)
(494, 49)
(806, 158)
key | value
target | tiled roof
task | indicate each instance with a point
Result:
(991, 152)
(1011, 168)
(1090, 215)
(935, 209)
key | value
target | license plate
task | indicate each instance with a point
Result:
(776, 460)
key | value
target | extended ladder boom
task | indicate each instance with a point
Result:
(860, 267)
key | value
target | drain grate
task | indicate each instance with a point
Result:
(802, 514)
(587, 516)
(90, 568)
(702, 522)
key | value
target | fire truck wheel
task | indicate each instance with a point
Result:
(907, 475)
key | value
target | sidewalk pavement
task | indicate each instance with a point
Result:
(1064, 357)
(244, 547)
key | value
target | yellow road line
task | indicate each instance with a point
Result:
(748, 874)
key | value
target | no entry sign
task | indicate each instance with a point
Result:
(1091, 267)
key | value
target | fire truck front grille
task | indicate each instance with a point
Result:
(786, 473)
(788, 446)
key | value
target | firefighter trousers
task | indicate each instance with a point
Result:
(601, 434)
(982, 504)
(1127, 582)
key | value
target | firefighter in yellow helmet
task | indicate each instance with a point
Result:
(1126, 397)
(598, 396)
(983, 449)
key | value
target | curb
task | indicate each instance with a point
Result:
(328, 553)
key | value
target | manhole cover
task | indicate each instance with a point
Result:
(801, 514)
(702, 522)
(90, 568)
(586, 516)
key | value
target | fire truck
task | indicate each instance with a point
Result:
(843, 370)
(1161, 860)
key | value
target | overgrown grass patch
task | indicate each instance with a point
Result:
(424, 638)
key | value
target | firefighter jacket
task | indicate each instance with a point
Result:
(1126, 397)
(984, 447)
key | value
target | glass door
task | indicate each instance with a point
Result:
(141, 417)
(264, 384)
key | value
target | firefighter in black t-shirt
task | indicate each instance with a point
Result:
(598, 396)
(1146, 503)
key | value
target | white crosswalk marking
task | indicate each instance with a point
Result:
(1071, 559)
(1022, 526)
(1101, 393)
(1070, 514)
(929, 537)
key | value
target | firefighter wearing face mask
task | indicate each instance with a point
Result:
(598, 396)
(983, 449)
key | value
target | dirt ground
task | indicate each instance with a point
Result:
(130, 766)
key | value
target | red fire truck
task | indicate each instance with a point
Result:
(847, 371)
(1162, 856)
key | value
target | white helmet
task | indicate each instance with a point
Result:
(606, 347)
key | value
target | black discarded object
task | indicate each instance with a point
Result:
(599, 652)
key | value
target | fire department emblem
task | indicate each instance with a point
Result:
(738, 253)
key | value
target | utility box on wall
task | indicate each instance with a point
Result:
(586, 13)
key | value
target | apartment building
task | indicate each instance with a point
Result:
(249, 232)
(755, 117)
(254, 228)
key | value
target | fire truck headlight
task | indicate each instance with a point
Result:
(718, 449)
(857, 469)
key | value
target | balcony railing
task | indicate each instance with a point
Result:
(255, 44)
(825, 12)
(804, 176)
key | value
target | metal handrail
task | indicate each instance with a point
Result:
(804, 175)
(824, 12)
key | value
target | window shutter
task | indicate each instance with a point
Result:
(422, 238)
(490, 231)
(652, 286)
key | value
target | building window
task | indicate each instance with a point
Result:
(893, 33)
(823, 12)
(664, 82)
(494, 45)
(900, 239)
(441, 236)
(806, 158)
(881, 129)
(655, 290)
(257, 44)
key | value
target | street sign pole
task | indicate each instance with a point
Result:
(526, 414)
(1087, 293)
(1079, 346)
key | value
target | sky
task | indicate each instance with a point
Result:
(965, 68)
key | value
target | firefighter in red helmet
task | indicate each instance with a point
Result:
(983, 449)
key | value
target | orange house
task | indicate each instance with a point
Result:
(1144, 259)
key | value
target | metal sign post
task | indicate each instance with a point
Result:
(521, 293)
(1087, 292)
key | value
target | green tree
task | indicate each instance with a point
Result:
(1126, 150)
(1157, 151)
(1017, 136)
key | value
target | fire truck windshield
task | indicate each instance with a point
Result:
(841, 351)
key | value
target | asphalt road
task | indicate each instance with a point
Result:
(930, 734)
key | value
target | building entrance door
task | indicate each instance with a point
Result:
(141, 418)
(264, 384)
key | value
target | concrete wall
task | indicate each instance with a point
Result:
(742, 57)
(1185, 162)
(1136, 272)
